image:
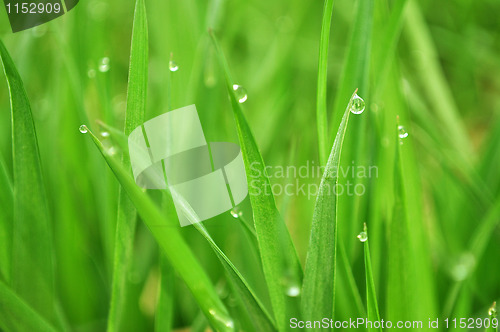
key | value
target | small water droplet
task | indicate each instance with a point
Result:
(357, 105)
(492, 311)
(91, 73)
(236, 212)
(240, 93)
(362, 236)
(172, 65)
(111, 151)
(293, 291)
(230, 324)
(105, 134)
(402, 133)
(83, 129)
(104, 65)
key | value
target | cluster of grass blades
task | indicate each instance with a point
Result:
(83, 248)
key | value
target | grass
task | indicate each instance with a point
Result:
(83, 248)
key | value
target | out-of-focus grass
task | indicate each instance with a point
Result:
(432, 211)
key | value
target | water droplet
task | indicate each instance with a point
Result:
(240, 93)
(172, 65)
(402, 133)
(105, 134)
(230, 324)
(236, 212)
(492, 311)
(362, 236)
(293, 291)
(91, 73)
(357, 105)
(83, 129)
(111, 151)
(104, 65)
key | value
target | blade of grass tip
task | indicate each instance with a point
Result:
(371, 295)
(171, 242)
(7, 201)
(493, 314)
(32, 271)
(17, 315)
(134, 117)
(318, 296)
(278, 254)
(321, 117)
(355, 74)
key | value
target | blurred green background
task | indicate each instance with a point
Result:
(442, 78)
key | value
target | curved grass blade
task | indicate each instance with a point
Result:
(434, 82)
(318, 296)
(134, 117)
(321, 117)
(17, 315)
(169, 238)
(32, 271)
(371, 295)
(277, 251)
(7, 200)
(260, 317)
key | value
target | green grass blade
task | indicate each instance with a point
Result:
(7, 200)
(321, 117)
(371, 295)
(168, 236)
(256, 310)
(318, 296)
(134, 117)
(32, 273)
(165, 306)
(277, 251)
(384, 48)
(434, 82)
(17, 315)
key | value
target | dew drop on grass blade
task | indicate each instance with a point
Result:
(170, 240)
(319, 279)
(134, 117)
(278, 254)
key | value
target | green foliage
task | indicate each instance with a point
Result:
(83, 248)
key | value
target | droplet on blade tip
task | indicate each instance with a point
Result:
(357, 105)
(402, 133)
(172, 66)
(83, 129)
(236, 213)
(362, 236)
